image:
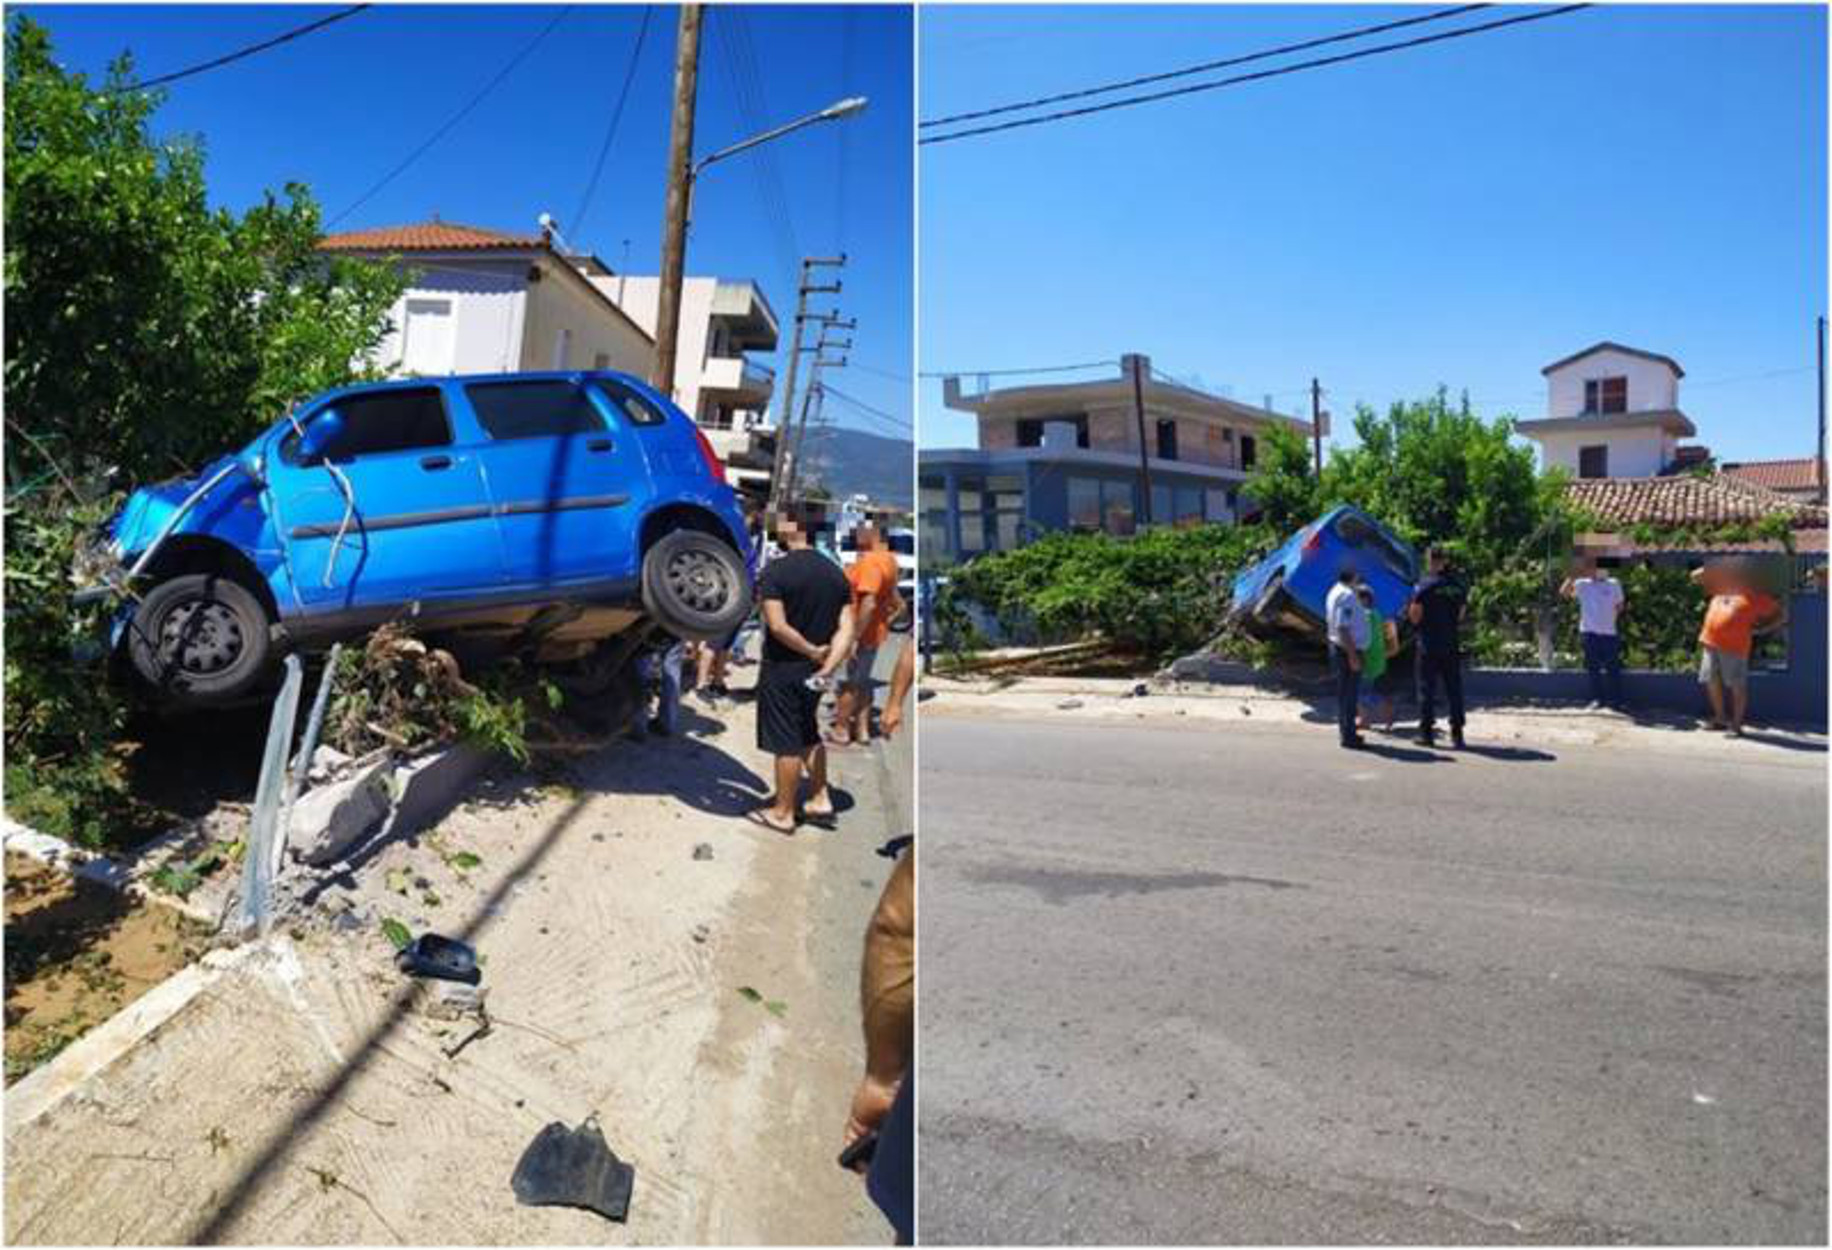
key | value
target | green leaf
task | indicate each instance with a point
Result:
(777, 1008)
(464, 861)
(749, 994)
(397, 933)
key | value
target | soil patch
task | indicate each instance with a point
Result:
(76, 953)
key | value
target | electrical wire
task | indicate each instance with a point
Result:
(1203, 68)
(455, 118)
(1257, 76)
(610, 131)
(900, 422)
(249, 51)
(1004, 373)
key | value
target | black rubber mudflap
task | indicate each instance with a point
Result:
(565, 1167)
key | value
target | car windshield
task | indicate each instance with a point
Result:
(1356, 532)
(903, 544)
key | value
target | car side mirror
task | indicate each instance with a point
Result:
(320, 436)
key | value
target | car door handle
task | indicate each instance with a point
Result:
(598, 444)
(432, 463)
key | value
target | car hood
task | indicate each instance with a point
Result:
(148, 509)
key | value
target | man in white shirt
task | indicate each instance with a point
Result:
(1347, 622)
(1600, 603)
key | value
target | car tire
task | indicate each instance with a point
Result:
(202, 638)
(695, 587)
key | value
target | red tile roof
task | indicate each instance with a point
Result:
(1801, 474)
(428, 236)
(1686, 500)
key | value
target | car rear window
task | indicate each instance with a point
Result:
(545, 409)
(636, 409)
(383, 421)
(1356, 532)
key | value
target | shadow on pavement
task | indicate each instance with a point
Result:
(1511, 754)
(1405, 755)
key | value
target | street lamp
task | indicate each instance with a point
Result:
(682, 177)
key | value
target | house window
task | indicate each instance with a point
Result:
(1160, 504)
(1593, 461)
(1030, 429)
(1605, 395)
(601, 360)
(1167, 440)
(1189, 504)
(1247, 451)
(1084, 503)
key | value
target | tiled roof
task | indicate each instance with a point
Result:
(1687, 500)
(1777, 474)
(427, 236)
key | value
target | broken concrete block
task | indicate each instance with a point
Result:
(427, 788)
(329, 819)
(449, 1000)
(326, 763)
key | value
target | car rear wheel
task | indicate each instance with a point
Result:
(201, 637)
(695, 586)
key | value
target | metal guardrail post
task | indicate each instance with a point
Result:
(302, 762)
(257, 862)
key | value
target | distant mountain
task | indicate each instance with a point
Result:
(852, 462)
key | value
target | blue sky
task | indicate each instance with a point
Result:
(1463, 213)
(340, 107)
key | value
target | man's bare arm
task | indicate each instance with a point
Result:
(787, 634)
(841, 646)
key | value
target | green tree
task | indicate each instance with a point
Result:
(145, 332)
(1282, 485)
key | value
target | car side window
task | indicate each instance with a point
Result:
(545, 409)
(380, 422)
(635, 409)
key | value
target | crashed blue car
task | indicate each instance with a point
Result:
(1285, 592)
(534, 513)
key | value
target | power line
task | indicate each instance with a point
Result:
(883, 373)
(1203, 68)
(1004, 373)
(901, 423)
(249, 51)
(1319, 62)
(604, 149)
(457, 117)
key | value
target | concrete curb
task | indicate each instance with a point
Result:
(121, 876)
(49, 1085)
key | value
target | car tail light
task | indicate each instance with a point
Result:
(714, 465)
(1314, 542)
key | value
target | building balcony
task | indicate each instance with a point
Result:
(733, 379)
(746, 316)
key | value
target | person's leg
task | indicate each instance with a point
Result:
(1427, 670)
(788, 784)
(668, 709)
(1714, 689)
(1453, 692)
(1347, 695)
(1593, 664)
(863, 659)
(1736, 677)
(819, 801)
(1612, 668)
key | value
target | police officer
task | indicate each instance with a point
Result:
(1437, 610)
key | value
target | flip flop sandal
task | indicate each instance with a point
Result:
(829, 821)
(757, 816)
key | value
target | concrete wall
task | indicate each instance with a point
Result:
(1794, 696)
(564, 301)
(1632, 453)
(1651, 385)
(486, 308)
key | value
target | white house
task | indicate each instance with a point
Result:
(482, 301)
(1612, 411)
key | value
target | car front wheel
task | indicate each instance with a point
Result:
(201, 638)
(695, 586)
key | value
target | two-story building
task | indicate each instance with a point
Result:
(1066, 455)
(1612, 411)
(715, 379)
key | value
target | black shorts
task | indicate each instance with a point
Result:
(788, 720)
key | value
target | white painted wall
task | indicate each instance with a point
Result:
(640, 297)
(1651, 385)
(1632, 453)
(482, 333)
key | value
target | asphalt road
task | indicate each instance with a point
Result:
(1236, 985)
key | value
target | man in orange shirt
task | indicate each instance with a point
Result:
(874, 602)
(1737, 611)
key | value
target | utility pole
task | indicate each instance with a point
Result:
(1316, 422)
(1819, 452)
(786, 411)
(816, 396)
(680, 188)
(1136, 365)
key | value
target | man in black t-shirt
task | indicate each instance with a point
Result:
(1437, 610)
(808, 633)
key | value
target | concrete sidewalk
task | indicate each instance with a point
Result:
(624, 915)
(1210, 704)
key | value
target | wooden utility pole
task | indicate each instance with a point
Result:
(1316, 422)
(1136, 364)
(785, 418)
(680, 191)
(815, 399)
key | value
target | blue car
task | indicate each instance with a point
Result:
(1286, 591)
(537, 513)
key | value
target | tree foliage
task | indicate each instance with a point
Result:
(145, 332)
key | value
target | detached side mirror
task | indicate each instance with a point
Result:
(320, 436)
